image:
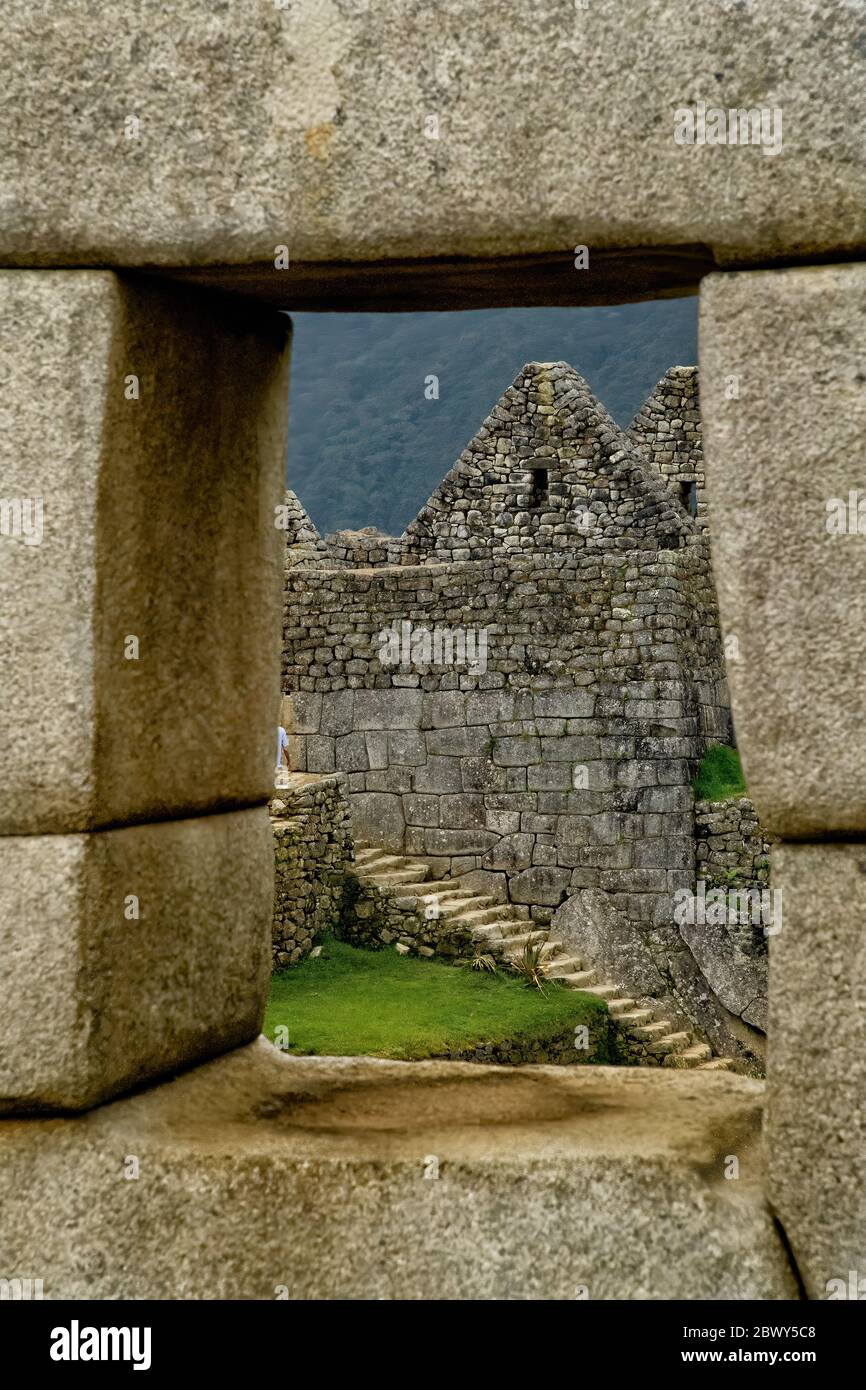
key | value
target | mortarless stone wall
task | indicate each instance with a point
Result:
(312, 847)
(730, 846)
(667, 431)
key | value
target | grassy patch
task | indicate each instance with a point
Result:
(720, 776)
(348, 1002)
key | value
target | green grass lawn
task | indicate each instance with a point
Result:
(720, 776)
(347, 1002)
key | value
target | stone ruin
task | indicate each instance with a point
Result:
(145, 373)
(520, 688)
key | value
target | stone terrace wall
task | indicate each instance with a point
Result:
(374, 917)
(313, 849)
(730, 845)
(667, 432)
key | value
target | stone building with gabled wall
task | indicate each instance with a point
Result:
(519, 689)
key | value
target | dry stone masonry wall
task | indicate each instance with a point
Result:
(312, 847)
(667, 431)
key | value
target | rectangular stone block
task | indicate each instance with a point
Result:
(303, 711)
(421, 810)
(277, 118)
(351, 753)
(463, 812)
(128, 954)
(406, 748)
(548, 1175)
(445, 709)
(337, 713)
(378, 817)
(387, 709)
(141, 456)
(520, 751)
(461, 743)
(569, 704)
(784, 409)
(459, 841)
(816, 1117)
(440, 775)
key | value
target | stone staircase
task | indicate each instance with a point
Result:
(504, 929)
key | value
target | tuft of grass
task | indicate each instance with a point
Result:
(529, 965)
(720, 776)
(349, 1002)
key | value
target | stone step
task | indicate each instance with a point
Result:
(483, 916)
(569, 965)
(652, 1032)
(617, 1005)
(576, 979)
(504, 927)
(517, 942)
(551, 949)
(372, 861)
(692, 1057)
(636, 1017)
(448, 906)
(670, 1041)
(389, 878)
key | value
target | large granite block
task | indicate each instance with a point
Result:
(265, 1176)
(139, 638)
(128, 954)
(816, 1119)
(784, 404)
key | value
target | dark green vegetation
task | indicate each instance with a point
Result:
(720, 776)
(347, 1002)
(366, 448)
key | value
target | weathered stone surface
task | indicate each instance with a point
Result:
(333, 99)
(791, 593)
(387, 709)
(738, 979)
(548, 1179)
(129, 953)
(653, 961)
(513, 853)
(378, 817)
(540, 885)
(817, 1059)
(157, 525)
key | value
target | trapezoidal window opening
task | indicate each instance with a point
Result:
(539, 491)
(689, 497)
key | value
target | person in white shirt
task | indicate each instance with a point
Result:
(282, 749)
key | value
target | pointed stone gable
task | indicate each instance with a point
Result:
(667, 432)
(548, 470)
(304, 545)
